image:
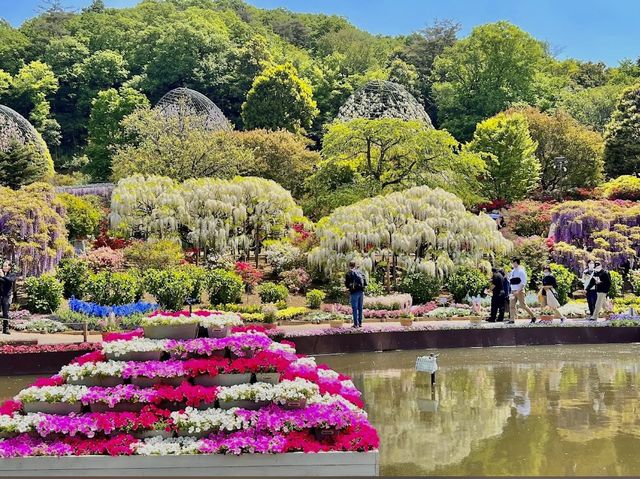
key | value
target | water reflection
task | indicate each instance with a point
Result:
(518, 411)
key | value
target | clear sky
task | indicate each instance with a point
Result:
(606, 30)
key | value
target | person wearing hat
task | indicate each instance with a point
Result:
(602, 282)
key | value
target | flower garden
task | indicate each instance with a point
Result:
(238, 393)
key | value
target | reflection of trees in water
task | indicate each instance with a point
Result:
(419, 441)
(550, 417)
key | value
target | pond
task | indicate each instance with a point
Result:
(552, 410)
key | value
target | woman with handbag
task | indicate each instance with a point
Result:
(549, 294)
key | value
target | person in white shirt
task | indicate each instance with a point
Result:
(518, 280)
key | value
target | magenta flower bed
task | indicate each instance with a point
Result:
(48, 348)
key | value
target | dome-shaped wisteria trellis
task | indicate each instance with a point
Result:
(182, 101)
(16, 128)
(383, 99)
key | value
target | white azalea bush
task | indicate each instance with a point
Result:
(247, 392)
(137, 345)
(76, 372)
(19, 424)
(297, 390)
(219, 321)
(66, 393)
(195, 421)
(157, 446)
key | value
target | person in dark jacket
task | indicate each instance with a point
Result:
(497, 297)
(590, 286)
(549, 292)
(506, 287)
(7, 280)
(602, 281)
(356, 282)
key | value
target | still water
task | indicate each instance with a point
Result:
(557, 410)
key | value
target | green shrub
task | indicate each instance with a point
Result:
(74, 274)
(634, 279)
(422, 287)
(111, 289)
(315, 297)
(565, 280)
(83, 215)
(198, 276)
(240, 308)
(617, 282)
(44, 293)
(170, 288)
(466, 281)
(224, 286)
(272, 293)
(625, 187)
(154, 254)
(374, 288)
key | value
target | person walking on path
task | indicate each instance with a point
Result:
(497, 297)
(602, 281)
(590, 286)
(7, 279)
(356, 282)
(549, 294)
(506, 287)
(518, 282)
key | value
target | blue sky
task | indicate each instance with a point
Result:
(585, 29)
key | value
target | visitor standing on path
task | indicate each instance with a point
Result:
(518, 282)
(590, 286)
(549, 293)
(497, 297)
(7, 280)
(356, 282)
(602, 282)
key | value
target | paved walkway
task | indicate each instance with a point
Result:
(59, 338)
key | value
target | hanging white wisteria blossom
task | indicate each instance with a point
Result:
(221, 217)
(383, 99)
(423, 229)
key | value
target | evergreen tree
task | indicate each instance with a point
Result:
(279, 99)
(21, 165)
(622, 135)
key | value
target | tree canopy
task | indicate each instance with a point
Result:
(377, 156)
(622, 135)
(484, 73)
(570, 155)
(279, 99)
(509, 151)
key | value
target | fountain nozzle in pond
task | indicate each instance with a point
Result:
(428, 364)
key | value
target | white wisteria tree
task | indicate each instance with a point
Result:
(220, 217)
(423, 229)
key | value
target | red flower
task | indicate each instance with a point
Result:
(94, 357)
(10, 406)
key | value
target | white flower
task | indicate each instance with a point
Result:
(247, 392)
(76, 372)
(295, 390)
(196, 421)
(157, 446)
(137, 345)
(328, 373)
(64, 393)
(20, 423)
(160, 320)
(219, 321)
(275, 346)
